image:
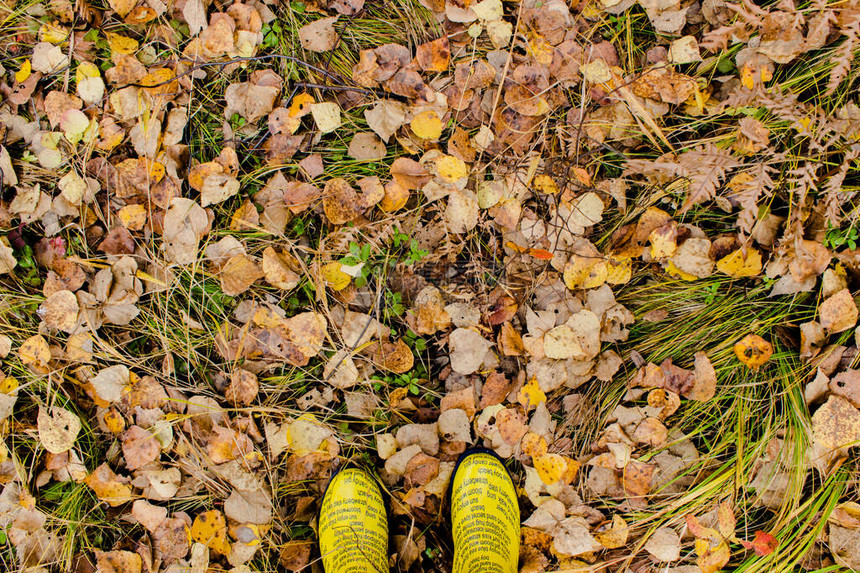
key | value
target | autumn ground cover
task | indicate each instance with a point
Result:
(243, 244)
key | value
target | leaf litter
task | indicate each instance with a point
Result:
(230, 269)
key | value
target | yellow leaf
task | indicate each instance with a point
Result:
(619, 271)
(53, 33)
(24, 73)
(34, 352)
(427, 125)
(550, 467)
(210, 529)
(533, 444)
(108, 487)
(583, 272)
(114, 421)
(451, 169)
(663, 242)
(8, 385)
(531, 395)
(86, 70)
(334, 277)
(615, 536)
(740, 264)
(678, 273)
(753, 350)
(545, 184)
(119, 44)
(133, 217)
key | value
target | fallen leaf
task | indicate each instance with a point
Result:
(139, 447)
(427, 125)
(60, 311)
(326, 115)
(741, 263)
(108, 486)
(664, 545)
(838, 313)
(118, 562)
(319, 35)
(753, 350)
(836, 425)
(58, 429)
(210, 529)
(763, 544)
(35, 353)
(238, 274)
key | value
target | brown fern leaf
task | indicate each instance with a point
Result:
(834, 196)
(843, 55)
(705, 168)
(747, 188)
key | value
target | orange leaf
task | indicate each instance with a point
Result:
(753, 351)
(763, 544)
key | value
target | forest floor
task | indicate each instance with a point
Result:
(244, 244)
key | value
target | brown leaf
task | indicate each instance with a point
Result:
(281, 269)
(294, 555)
(60, 311)
(395, 357)
(341, 202)
(409, 173)
(838, 313)
(118, 242)
(366, 147)
(118, 562)
(172, 539)
(243, 387)
(495, 389)
(238, 274)
(637, 479)
(319, 35)
(139, 447)
(434, 56)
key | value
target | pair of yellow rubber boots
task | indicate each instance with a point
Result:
(485, 520)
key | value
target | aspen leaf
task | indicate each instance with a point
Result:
(326, 115)
(280, 269)
(60, 311)
(615, 536)
(753, 350)
(35, 353)
(838, 313)
(133, 217)
(550, 467)
(319, 35)
(58, 429)
(210, 529)
(451, 169)
(836, 425)
(741, 263)
(108, 486)
(531, 395)
(118, 562)
(238, 274)
(218, 187)
(427, 125)
(334, 277)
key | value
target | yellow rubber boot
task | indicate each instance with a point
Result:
(485, 516)
(353, 525)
